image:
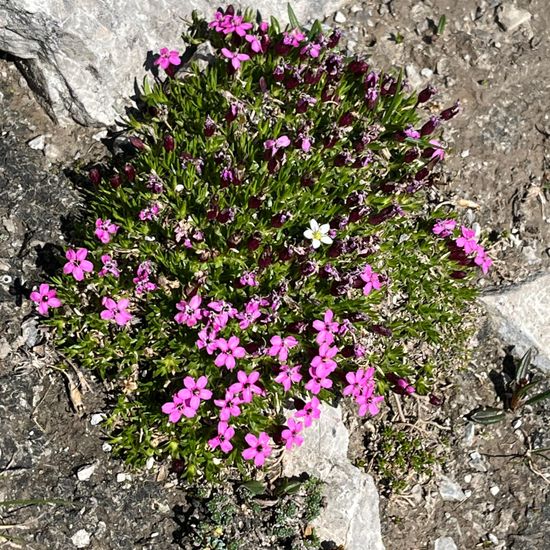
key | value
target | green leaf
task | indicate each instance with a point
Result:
(537, 398)
(441, 25)
(292, 17)
(255, 487)
(524, 365)
(487, 415)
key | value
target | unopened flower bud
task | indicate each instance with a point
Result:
(426, 94)
(95, 176)
(169, 143)
(430, 126)
(451, 112)
(130, 172)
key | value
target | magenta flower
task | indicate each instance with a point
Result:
(358, 381)
(116, 310)
(323, 363)
(150, 213)
(250, 315)
(109, 266)
(208, 340)
(248, 278)
(229, 406)
(293, 38)
(411, 133)
(437, 151)
(235, 57)
(467, 240)
(104, 229)
(45, 298)
(142, 282)
(225, 312)
(291, 434)
(317, 381)
(246, 386)
(280, 347)
(273, 145)
(259, 448)
(178, 407)
(77, 264)
(482, 260)
(288, 375)
(310, 412)
(230, 350)
(254, 41)
(313, 50)
(403, 387)
(189, 312)
(444, 228)
(368, 402)
(223, 439)
(196, 390)
(326, 328)
(168, 57)
(371, 280)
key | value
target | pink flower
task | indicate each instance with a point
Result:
(248, 279)
(410, 132)
(291, 434)
(252, 313)
(254, 41)
(438, 152)
(230, 350)
(229, 406)
(45, 298)
(358, 381)
(444, 228)
(235, 57)
(109, 266)
(293, 38)
(326, 328)
(104, 229)
(229, 23)
(168, 57)
(259, 448)
(77, 264)
(280, 347)
(288, 375)
(371, 280)
(310, 412)
(116, 310)
(368, 402)
(313, 50)
(246, 386)
(195, 390)
(222, 440)
(208, 340)
(482, 260)
(225, 312)
(467, 240)
(403, 387)
(178, 407)
(142, 282)
(317, 381)
(323, 363)
(149, 213)
(189, 312)
(273, 145)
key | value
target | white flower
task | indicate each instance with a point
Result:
(318, 234)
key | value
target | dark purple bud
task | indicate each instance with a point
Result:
(137, 143)
(212, 212)
(363, 161)
(169, 143)
(226, 215)
(285, 254)
(255, 202)
(312, 77)
(435, 400)
(347, 351)
(266, 259)
(308, 268)
(388, 87)
(343, 159)
(383, 215)
(115, 181)
(230, 10)
(278, 73)
(209, 127)
(371, 80)
(95, 176)
(356, 198)
(254, 242)
(292, 81)
(411, 155)
(298, 327)
(458, 275)
(334, 38)
(330, 272)
(381, 330)
(430, 126)
(340, 221)
(232, 113)
(278, 220)
(177, 466)
(358, 66)
(328, 94)
(336, 249)
(234, 240)
(388, 187)
(331, 140)
(346, 119)
(447, 114)
(422, 174)
(130, 172)
(307, 181)
(426, 94)
(358, 213)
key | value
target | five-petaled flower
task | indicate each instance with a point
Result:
(444, 228)
(371, 280)
(318, 234)
(246, 386)
(291, 434)
(116, 310)
(189, 312)
(288, 375)
(281, 346)
(326, 328)
(168, 57)
(45, 297)
(259, 448)
(77, 264)
(178, 407)
(104, 229)
(223, 439)
(236, 58)
(309, 412)
(230, 350)
(195, 390)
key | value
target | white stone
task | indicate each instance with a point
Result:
(413, 76)
(85, 473)
(121, 478)
(426, 72)
(87, 54)
(450, 490)
(468, 478)
(494, 490)
(106, 447)
(510, 17)
(37, 143)
(81, 539)
(351, 517)
(445, 543)
(96, 419)
(520, 315)
(339, 17)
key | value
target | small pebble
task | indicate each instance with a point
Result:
(468, 478)
(37, 143)
(107, 448)
(85, 473)
(517, 423)
(492, 538)
(465, 153)
(339, 17)
(96, 419)
(81, 539)
(150, 462)
(494, 490)
(121, 478)
(468, 493)
(426, 73)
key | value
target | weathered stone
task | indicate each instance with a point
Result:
(85, 472)
(510, 17)
(81, 539)
(520, 315)
(450, 490)
(84, 56)
(351, 517)
(445, 543)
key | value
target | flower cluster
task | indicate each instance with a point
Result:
(273, 248)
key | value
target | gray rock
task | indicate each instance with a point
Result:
(351, 517)
(81, 539)
(510, 17)
(85, 472)
(84, 56)
(445, 543)
(520, 315)
(450, 490)
(37, 143)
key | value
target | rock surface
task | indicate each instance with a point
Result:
(511, 17)
(445, 543)
(520, 315)
(84, 56)
(351, 516)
